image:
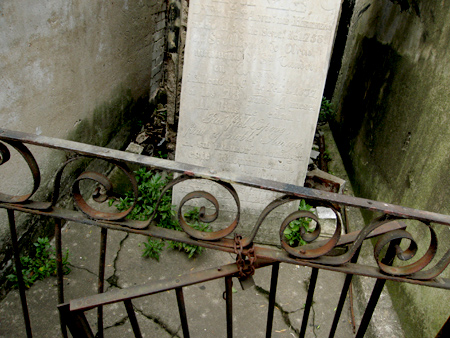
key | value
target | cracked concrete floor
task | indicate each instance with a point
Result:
(158, 314)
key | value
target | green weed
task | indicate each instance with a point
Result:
(327, 112)
(150, 185)
(153, 248)
(161, 155)
(193, 219)
(42, 265)
(292, 233)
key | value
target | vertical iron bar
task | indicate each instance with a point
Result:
(21, 283)
(75, 321)
(445, 330)
(101, 278)
(352, 310)
(345, 289)
(350, 288)
(376, 292)
(337, 315)
(229, 305)
(272, 295)
(60, 272)
(377, 289)
(182, 311)
(309, 300)
(133, 320)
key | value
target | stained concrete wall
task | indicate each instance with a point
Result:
(392, 127)
(80, 70)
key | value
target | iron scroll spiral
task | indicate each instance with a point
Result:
(101, 195)
(407, 254)
(310, 253)
(32, 165)
(311, 250)
(197, 234)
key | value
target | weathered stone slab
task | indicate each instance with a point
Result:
(253, 78)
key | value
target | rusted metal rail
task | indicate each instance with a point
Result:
(389, 228)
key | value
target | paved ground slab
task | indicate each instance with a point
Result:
(158, 314)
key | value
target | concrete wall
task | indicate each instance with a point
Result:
(80, 70)
(393, 129)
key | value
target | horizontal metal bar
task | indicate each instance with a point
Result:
(114, 296)
(154, 231)
(202, 172)
(227, 245)
(348, 268)
(224, 244)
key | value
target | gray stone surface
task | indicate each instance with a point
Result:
(253, 78)
(61, 61)
(73, 70)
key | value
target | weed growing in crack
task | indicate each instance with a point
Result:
(42, 265)
(150, 185)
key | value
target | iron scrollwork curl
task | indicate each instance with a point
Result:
(102, 192)
(197, 234)
(411, 269)
(32, 165)
(308, 252)
(310, 237)
(101, 195)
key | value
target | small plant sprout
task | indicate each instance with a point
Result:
(152, 248)
(293, 231)
(42, 265)
(150, 185)
(326, 111)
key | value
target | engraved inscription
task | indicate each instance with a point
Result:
(253, 78)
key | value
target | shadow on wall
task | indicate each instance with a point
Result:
(361, 122)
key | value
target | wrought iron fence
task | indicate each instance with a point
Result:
(389, 228)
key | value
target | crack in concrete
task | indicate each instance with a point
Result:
(160, 323)
(284, 313)
(124, 320)
(82, 268)
(176, 334)
(313, 319)
(114, 279)
(156, 320)
(118, 323)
